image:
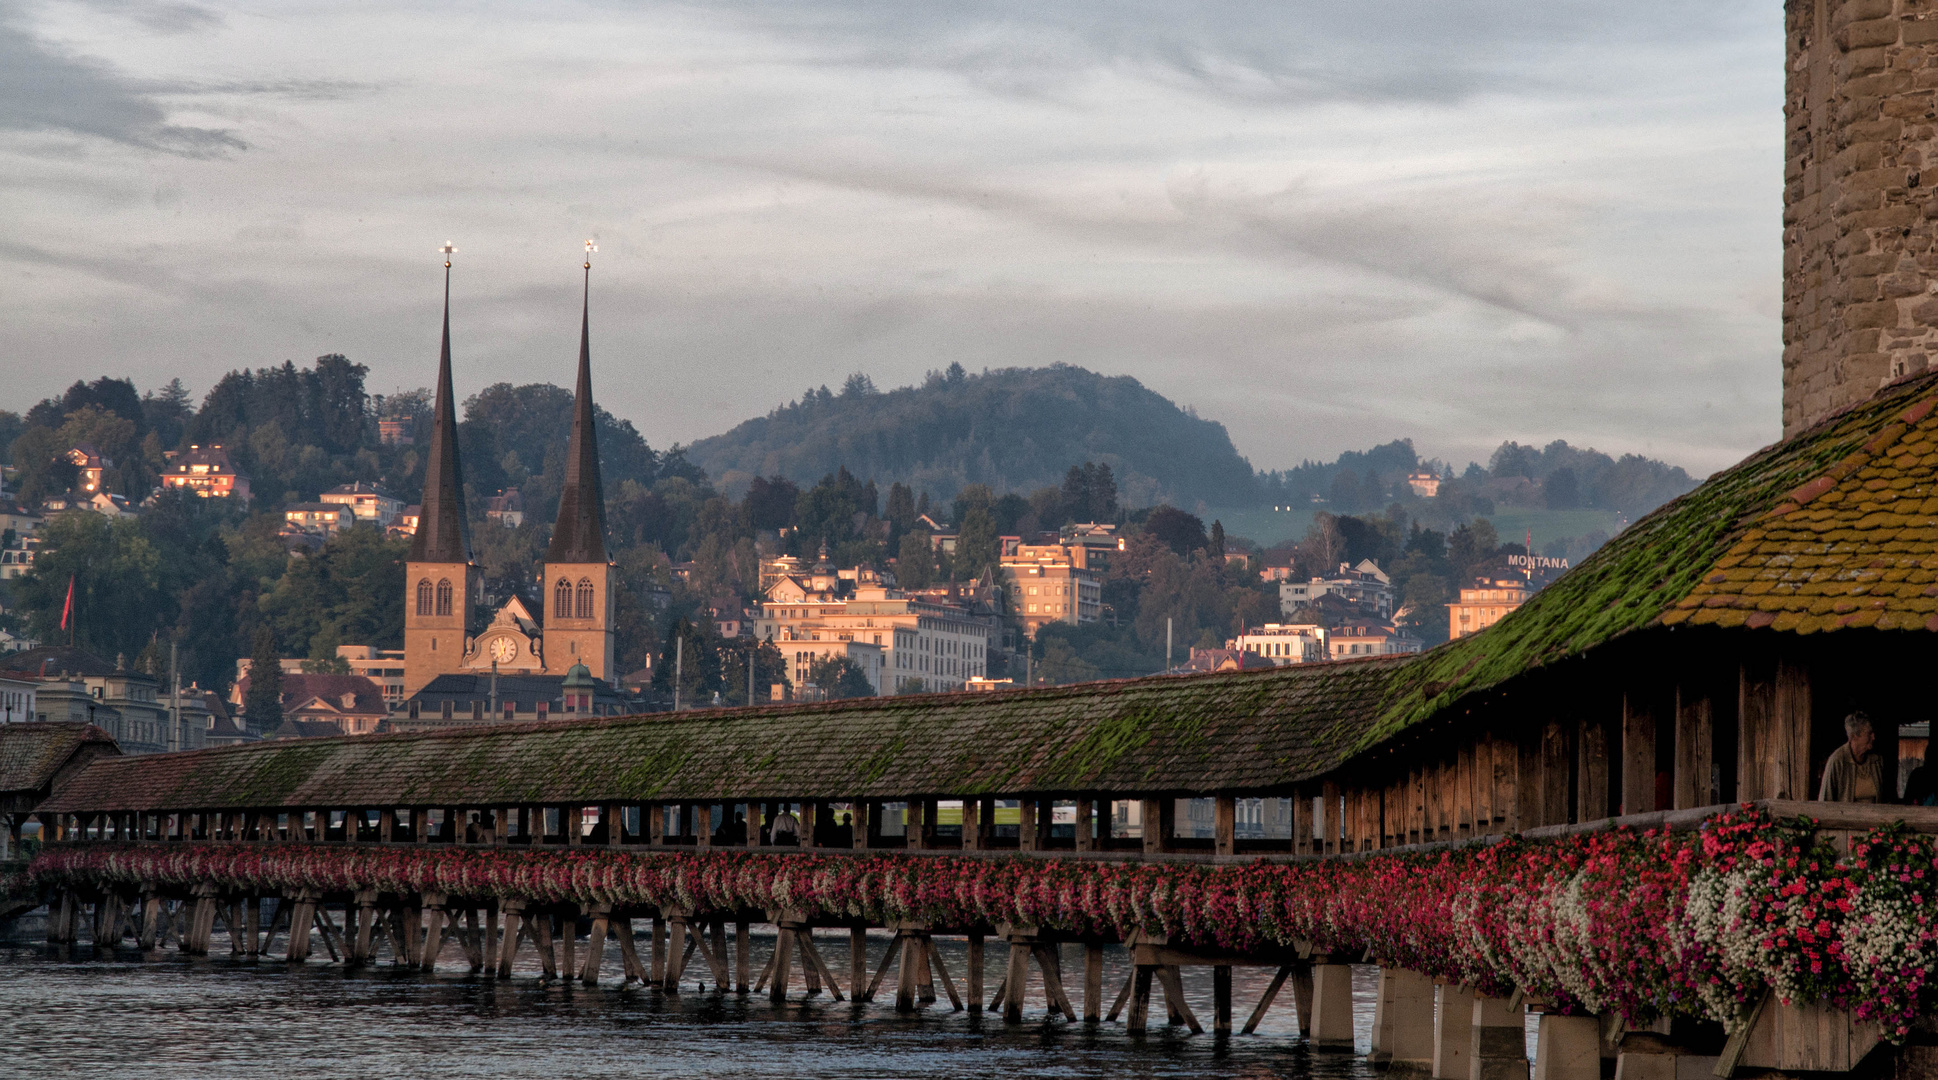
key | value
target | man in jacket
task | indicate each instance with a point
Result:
(1854, 773)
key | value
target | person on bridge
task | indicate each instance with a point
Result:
(786, 829)
(1854, 773)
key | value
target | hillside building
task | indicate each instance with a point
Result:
(1054, 582)
(366, 502)
(1285, 643)
(1483, 605)
(901, 641)
(1364, 586)
(208, 472)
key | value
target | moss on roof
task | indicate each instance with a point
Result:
(1835, 527)
(1230, 731)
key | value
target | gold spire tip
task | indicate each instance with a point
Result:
(447, 249)
(590, 247)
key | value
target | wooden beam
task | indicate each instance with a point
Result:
(1557, 804)
(1695, 742)
(1086, 824)
(1591, 751)
(1265, 1001)
(1225, 825)
(1638, 752)
(1791, 764)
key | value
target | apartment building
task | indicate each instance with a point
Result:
(1053, 582)
(1370, 638)
(1365, 586)
(1484, 604)
(924, 642)
(1286, 643)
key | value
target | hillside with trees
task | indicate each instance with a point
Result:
(1012, 429)
(1043, 448)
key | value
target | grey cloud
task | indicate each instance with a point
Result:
(1417, 50)
(159, 16)
(45, 89)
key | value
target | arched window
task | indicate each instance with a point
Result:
(424, 597)
(444, 596)
(562, 599)
(585, 598)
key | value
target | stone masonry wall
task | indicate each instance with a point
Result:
(1860, 215)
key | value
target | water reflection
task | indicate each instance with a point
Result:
(164, 1015)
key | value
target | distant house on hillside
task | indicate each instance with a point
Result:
(351, 704)
(366, 502)
(208, 472)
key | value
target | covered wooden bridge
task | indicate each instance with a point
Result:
(1705, 658)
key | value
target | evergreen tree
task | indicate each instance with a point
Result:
(915, 561)
(263, 705)
(978, 547)
(1216, 547)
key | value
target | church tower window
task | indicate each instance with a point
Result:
(444, 596)
(562, 599)
(424, 597)
(585, 598)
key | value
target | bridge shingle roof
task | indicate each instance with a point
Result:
(1231, 731)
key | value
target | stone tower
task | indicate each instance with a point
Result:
(578, 575)
(441, 582)
(1860, 213)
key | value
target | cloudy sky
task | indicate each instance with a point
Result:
(1324, 224)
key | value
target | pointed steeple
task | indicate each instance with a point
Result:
(579, 536)
(443, 531)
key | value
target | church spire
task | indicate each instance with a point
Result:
(443, 532)
(580, 533)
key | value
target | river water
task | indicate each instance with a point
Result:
(73, 1013)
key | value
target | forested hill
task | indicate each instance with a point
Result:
(1014, 429)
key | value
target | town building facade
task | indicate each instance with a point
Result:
(1482, 605)
(366, 502)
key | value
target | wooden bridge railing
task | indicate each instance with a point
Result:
(678, 826)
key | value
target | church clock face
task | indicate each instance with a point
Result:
(504, 650)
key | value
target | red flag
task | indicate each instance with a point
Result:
(67, 609)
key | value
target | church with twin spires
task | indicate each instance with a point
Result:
(527, 662)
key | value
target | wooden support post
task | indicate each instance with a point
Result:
(1155, 842)
(252, 926)
(1221, 999)
(1790, 745)
(302, 921)
(905, 972)
(742, 955)
(569, 932)
(1086, 824)
(1026, 831)
(433, 929)
(151, 918)
(1050, 965)
(717, 957)
(913, 826)
(1167, 976)
(514, 923)
(547, 958)
(595, 950)
(1591, 753)
(975, 971)
(1016, 980)
(863, 812)
(1093, 981)
(857, 960)
(1265, 1000)
(678, 949)
(572, 820)
(628, 952)
(1140, 1004)
(1225, 825)
(659, 928)
(972, 825)
(783, 961)
(937, 970)
(366, 924)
